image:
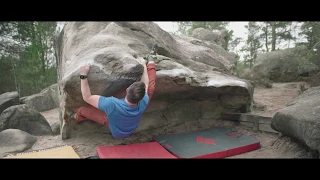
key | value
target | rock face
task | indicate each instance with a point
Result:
(46, 100)
(283, 65)
(26, 119)
(195, 81)
(301, 118)
(314, 80)
(8, 99)
(14, 141)
(55, 128)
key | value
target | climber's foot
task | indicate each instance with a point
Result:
(71, 113)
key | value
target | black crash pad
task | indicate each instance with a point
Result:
(216, 142)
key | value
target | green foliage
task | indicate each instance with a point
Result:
(28, 53)
(234, 43)
(7, 82)
(310, 30)
(240, 67)
(265, 37)
(275, 32)
(253, 44)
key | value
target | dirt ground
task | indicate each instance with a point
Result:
(275, 98)
(272, 145)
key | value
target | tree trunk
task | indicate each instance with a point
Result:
(42, 51)
(33, 56)
(14, 76)
(311, 40)
(251, 53)
(266, 37)
(274, 36)
(290, 30)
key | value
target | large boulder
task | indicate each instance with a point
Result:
(301, 118)
(46, 100)
(26, 119)
(216, 37)
(195, 80)
(284, 65)
(8, 99)
(15, 141)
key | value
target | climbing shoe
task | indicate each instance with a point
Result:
(70, 113)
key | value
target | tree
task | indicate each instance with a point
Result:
(10, 50)
(29, 48)
(252, 45)
(265, 27)
(310, 30)
(234, 43)
(276, 32)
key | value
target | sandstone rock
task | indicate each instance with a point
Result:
(55, 128)
(14, 141)
(22, 100)
(26, 119)
(207, 35)
(192, 70)
(46, 100)
(314, 80)
(8, 99)
(284, 65)
(301, 118)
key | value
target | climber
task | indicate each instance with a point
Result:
(121, 115)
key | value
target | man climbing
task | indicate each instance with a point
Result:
(121, 115)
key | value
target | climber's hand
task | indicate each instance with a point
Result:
(142, 61)
(84, 69)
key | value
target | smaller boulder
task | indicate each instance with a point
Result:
(26, 119)
(23, 100)
(210, 36)
(300, 119)
(8, 99)
(284, 65)
(15, 141)
(46, 100)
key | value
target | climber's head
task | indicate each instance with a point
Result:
(135, 92)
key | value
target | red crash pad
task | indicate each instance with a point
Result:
(210, 143)
(143, 150)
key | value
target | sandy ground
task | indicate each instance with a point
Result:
(272, 145)
(274, 99)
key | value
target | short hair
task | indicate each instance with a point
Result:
(136, 92)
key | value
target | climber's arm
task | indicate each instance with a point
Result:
(86, 94)
(85, 89)
(145, 77)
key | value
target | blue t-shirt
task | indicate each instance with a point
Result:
(123, 118)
